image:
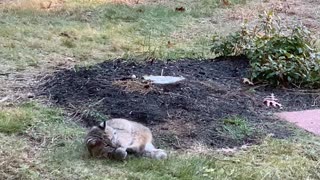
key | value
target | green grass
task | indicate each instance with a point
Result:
(14, 120)
(205, 8)
(14, 157)
(90, 33)
(51, 147)
(237, 128)
(274, 159)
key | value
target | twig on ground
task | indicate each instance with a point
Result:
(4, 99)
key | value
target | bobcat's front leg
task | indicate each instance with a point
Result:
(120, 153)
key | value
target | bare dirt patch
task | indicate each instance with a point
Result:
(291, 12)
(194, 111)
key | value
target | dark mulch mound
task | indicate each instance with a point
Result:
(181, 115)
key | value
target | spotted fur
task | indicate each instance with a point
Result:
(128, 136)
(99, 143)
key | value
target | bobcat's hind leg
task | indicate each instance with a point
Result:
(136, 148)
(156, 154)
(151, 152)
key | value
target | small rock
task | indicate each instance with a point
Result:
(133, 76)
(30, 95)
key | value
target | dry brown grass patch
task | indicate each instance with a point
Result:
(36, 4)
(143, 87)
(16, 158)
(128, 2)
(292, 11)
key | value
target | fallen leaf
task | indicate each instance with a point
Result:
(226, 2)
(180, 9)
(140, 10)
(45, 5)
(247, 81)
(65, 34)
(169, 44)
(272, 101)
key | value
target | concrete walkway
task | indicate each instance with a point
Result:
(308, 119)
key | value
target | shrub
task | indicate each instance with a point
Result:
(277, 53)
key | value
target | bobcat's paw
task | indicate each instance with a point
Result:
(156, 154)
(120, 154)
(160, 154)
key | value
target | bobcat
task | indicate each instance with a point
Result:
(97, 141)
(131, 137)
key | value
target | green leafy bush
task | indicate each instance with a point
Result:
(278, 54)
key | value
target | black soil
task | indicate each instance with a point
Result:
(194, 111)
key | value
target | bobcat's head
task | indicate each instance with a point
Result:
(109, 135)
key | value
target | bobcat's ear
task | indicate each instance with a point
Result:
(102, 125)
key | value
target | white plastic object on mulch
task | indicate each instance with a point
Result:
(163, 79)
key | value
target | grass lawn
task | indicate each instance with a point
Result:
(38, 141)
(88, 32)
(51, 147)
